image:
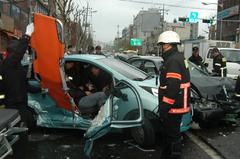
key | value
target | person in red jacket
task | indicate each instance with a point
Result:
(174, 94)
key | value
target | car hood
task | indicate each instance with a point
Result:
(211, 86)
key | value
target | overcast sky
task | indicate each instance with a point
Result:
(111, 13)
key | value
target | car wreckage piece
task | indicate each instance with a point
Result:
(209, 111)
(212, 98)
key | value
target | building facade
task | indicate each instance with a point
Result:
(227, 10)
(145, 24)
(14, 17)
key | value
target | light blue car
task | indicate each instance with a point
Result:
(134, 106)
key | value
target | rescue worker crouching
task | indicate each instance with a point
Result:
(174, 94)
(14, 75)
(219, 63)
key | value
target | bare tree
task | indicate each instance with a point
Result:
(66, 8)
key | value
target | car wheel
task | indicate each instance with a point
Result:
(144, 135)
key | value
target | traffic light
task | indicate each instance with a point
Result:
(207, 21)
(182, 19)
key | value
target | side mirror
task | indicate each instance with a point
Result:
(206, 64)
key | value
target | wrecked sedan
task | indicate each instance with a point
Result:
(129, 104)
(213, 98)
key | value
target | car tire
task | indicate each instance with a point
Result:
(144, 135)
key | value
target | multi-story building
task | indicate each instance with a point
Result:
(227, 10)
(145, 24)
(14, 17)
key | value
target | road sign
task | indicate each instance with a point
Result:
(193, 18)
(136, 42)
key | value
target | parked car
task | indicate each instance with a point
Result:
(212, 97)
(132, 103)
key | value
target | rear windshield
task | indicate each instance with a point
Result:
(125, 69)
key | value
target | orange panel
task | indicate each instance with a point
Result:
(49, 51)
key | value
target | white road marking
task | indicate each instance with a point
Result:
(144, 150)
(210, 151)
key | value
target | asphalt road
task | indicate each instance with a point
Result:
(68, 144)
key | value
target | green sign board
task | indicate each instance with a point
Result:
(136, 42)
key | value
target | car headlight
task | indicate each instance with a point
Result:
(153, 91)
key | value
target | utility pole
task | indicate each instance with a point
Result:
(163, 19)
(118, 37)
(163, 11)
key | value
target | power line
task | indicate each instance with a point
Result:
(169, 5)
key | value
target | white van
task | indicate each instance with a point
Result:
(233, 61)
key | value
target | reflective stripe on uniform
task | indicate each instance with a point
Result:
(174, 75)
(168, 100)
(179, 110)
(223, 68)
(1, 77)
(185, 87)
(2, 96)
(237, 95)
(163, 87)
(224, 59)
(217, 64)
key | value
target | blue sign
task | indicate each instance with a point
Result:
(193, 18)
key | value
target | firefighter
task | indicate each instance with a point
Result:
(173, 94)
(219, 63)
(14, 75)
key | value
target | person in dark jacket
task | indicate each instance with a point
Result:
(14, 75)
(174, 94)
(219, 63)
(196, 58)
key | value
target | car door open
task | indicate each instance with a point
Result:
(124, 100)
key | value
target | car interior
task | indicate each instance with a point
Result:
(74, 72)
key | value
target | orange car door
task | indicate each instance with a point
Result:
(47, 42)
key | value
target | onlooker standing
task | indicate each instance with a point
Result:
(98, 50)
(90, 49)
(196, 58)
(69, 50)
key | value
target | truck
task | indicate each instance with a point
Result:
(227, 48)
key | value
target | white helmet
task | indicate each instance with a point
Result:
(169, 37)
